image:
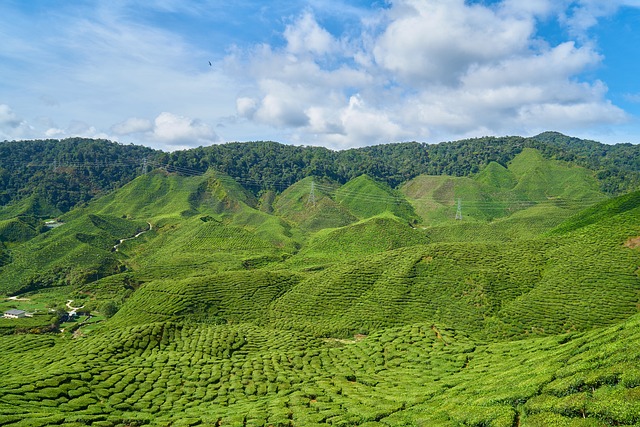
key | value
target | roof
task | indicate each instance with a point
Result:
(15, 312)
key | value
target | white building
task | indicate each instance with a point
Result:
(14, 314)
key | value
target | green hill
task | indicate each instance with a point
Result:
(381, 234)
(78, 251)
(206, 221)
(34, 206)
(365, 198)
(19, 229)
(326, 296)
(310, 205)
(599, 212)
(497, 192)
(496, 176)
(540, 179)
(156, 196)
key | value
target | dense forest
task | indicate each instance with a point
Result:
(485, 282)
(64, 173)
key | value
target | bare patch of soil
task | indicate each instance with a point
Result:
(633, 243)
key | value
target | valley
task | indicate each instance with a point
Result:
(507, 295)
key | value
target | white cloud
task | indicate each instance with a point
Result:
(8, 118)
(132, 125)
(412, 69)
(437, 68)
(54, 133)
(364, 125)
(581, 15)
(102, 64)
(530, 8)
(437, 40)
(632, 97)
(306, 36)
(12, 126)
(173, 130)
(246, 107)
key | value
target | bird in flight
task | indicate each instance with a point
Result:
(209, 63)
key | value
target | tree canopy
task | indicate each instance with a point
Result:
(63, 173)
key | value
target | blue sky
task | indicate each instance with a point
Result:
(335, 73)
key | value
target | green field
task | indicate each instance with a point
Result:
(328, 303)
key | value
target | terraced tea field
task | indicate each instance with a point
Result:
(422, 374)
(362, 305)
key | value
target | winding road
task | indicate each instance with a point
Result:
(121, 241)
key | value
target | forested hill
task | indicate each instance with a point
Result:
(59, 174)
(62, 173)
(265, 165)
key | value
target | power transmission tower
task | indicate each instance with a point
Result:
(459, 211)
(144, 166)
(312, 195)
(55, 165)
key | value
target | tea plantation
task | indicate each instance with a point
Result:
(202, 304)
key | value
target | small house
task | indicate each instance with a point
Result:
(14, 314)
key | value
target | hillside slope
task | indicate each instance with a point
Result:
(529, 180)
(226, 307)
(79, 251)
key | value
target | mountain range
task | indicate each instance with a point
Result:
(485, 282)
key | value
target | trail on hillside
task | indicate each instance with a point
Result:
(116, 247)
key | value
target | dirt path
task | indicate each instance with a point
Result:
(121, 241)
(17, 299)
(73, 309)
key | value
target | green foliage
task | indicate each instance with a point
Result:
(365, 198)
(109, 308)
(79, 251)
(45, 178)
(340, 309)
(498, 192)
(63, 173)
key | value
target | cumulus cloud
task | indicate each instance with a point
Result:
(8, 118)
(246, 107)
(12, 126)
(435, 41)
(132, 125)
(306, 36)
(55, 133)
(411, 69)
(174, 130)
(437, 68)
(167, 131)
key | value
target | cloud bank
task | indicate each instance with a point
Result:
(427, 70)
(168, 131)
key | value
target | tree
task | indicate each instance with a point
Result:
(109, 308)
(61, 315)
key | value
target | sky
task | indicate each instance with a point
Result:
(176, 74)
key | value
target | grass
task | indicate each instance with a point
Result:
(418, 374)
(382, 233)
(498, 192)
(365, 198)
(272, 312)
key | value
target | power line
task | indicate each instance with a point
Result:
(312, 195)
(331, 191)
(459, 211)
